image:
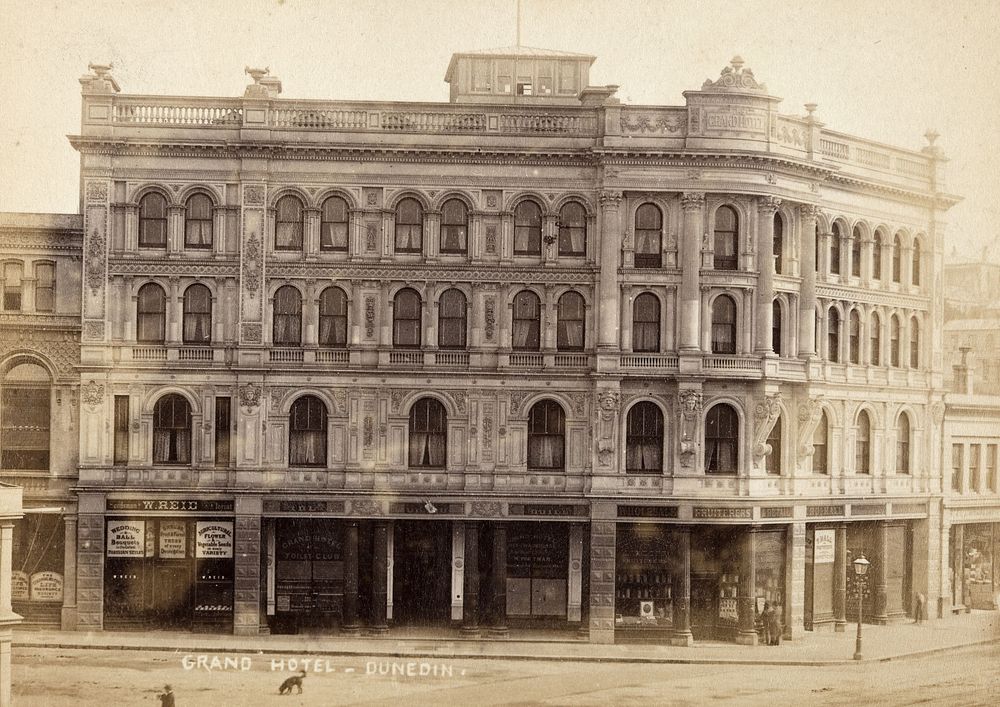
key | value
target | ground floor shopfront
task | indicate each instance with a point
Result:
(972, 566)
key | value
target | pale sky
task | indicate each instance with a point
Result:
(882, 69)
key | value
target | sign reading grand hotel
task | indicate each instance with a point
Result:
(126, 538)
(214, 539)
(736, 119)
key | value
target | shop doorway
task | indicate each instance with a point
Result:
(421, 578)
(172, 602)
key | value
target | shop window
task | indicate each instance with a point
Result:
(779, 243)
(197, 315)
(452, 323)
(724, 325)
(835, 239)
(646, 323)
(876, 340)
(333, 318)
(820, 458)
(45, 287)
(286, 327)
(644, 558)
(722, 440)
(862, 445)
(570, 322)
(121, 429)
(914, 343)
(915, 274)
(776, 327)
(644, 439)
(957, 467)
(152, 221)
(428, 434)
(726, 239)
(572, 229)
(406, 319)
(648, 237)
(833, 335)
(903, 444)
(856, 253)
(151, 314)
(981, 541)
(223, 433)
(288, 220)
(855, 337)
(772, 462)
(537, 568)
(527, 229)
(13, 282)
(333, 226)
(454, 226)
(307, 432)
(546, 436)
(25, 394)
(409, 226)
(974, 468)
(897, 254)
(894, 341)
(198, 222)
(37, 564)
(877, 256)
(526, 321)
(172, 430)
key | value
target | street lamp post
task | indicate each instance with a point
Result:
(860, 570)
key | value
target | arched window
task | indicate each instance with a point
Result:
(333, 318)
(914, 343)
(526, 322)
(151, 314)
(307, 432)
(572, 229)
(406, 319)
(855, 337)
(894, 341)
(428, 434)
(726, 239)
(25, 418)
(856, 253)
(722, 439)
(862, 445)
(903, 444)
(644, 439)
(287, 313)
(724, 325)
(288, 223)
(876, 340)
(646, 323)
(835, 239)
(409, 226)
(197, 315)
(570, 324)
(172, 430)
(820, 446)
(648, 235)
(897, 253)
(527, 229)
(152, 221)
(772, 462)
(198, 222)
(915, 275)
(333, 225)
(45, 287)
(776, 327)
(779, 242)
(451, 320)
(546, 436)
(877, 256)
(13, 285)
(454, 226)
(833, 335)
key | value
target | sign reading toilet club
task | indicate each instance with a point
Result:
(126, 538)
(214, 539)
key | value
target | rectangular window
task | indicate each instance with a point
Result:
(545, 84)
(991, 468)
(222, 431)
(505, 76)
(45, 287)
(956, 467)
(524, 87)
(567, 77)
(974, 468)
(481, 75)
(121, 429)
(12, 277)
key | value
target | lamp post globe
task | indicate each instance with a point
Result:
(860, 570)
(861, 566)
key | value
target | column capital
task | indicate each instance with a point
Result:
(809, 211)
(768, 205)
(610, 199)
(693, 200)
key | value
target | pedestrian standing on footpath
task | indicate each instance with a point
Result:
(765, 618)
(919, 611)
(774, 626)
(166, 697)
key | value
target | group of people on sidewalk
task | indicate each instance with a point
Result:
(769, 624)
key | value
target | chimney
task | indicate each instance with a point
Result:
(964, 371)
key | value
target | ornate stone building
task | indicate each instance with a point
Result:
(531, 357)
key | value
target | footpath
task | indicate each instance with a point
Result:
(879, 643)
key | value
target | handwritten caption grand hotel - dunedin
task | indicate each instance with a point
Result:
(384, 668)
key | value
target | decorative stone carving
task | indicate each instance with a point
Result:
(648, 123)
(366, 508)
(340, 400)
(694, 174)
(516, 398)
(810, 414)
(768, 205)
(93, 329)
(766, 415)
(487, 509)
(276, 393)
(97, 192)
(491, 239)
(491, 201)
(610, 199)
(579, 404)
(251, 264)
(609, 403)
(369, 431)
(937, 412)
(770, 178)
(490, 318)
(249, 394)
(735, 78)
(95, 259)
(690, 403)
(92, 394)
(370, 237)
(253, 194)
(395, 399)
(252, 333)
(487, 428)
(372, 199)
(459, 397)
(369, 317)
(692, 201)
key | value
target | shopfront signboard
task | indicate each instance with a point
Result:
(126, 538)
(19, 586)
(823, 546)
(173, 539)
(214, 539)
(47, 586)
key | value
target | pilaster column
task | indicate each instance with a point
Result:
(470, 590)
(611, 238)
(602, 573)
(68, 621)
(175, 228)
(840, 579)
(385, 307)
(574, 599)
(246, 608)
(881, 578)
(310, 244)
(506, 236)
(680, 582)
(432, 234)
(498, 583)
(131, 227)
(795, 594)
(550, 232)
(807, 300)
(693, 204)
(958, 565)
(218, 230)
(766, 208)
(380, 578)
(6, 613)
(350, 613)
(747, 630)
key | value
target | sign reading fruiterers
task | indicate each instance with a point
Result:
(173, 539)
(19, 586)
(126, 538)
(46, 586)
(823, 546)
(214, 539)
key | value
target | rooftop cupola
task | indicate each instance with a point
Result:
(522, 75)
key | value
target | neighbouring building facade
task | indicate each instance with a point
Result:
(528, 357)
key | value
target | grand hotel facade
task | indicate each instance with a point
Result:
(531, 357)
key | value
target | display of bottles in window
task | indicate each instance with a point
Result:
(644, 597)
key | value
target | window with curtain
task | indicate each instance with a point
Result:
(454, 226)
(546, 436)
(409, 226)
(779, 242)
(897, 253)
(915, 278)
(307, 432)
(25, 418)
(648, 236)
(452, 320)
(833, 335)
(526, 322)
(914, 343)
(724, 325)
(288, 220)
(172, 430)
(644, 439)
(876, 340)
(855, 337)
(877, 256)
(835, 239)
(572, 229)
(151, 314)
(726, 239)
(333, 225)
(333, 317)
(646, 323)
(772, 462)
(862, 445)
(406, 319)
(428, 434)
(856, 253)
(152, 221)
(197, 315)
(776, 327)
(820, 449)
(198, 222)
(570, 325)
(527, 229)
(287, 317)
(721, 440)
(13, 284)
(45, 287)
(894, 341)
(903, 444)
